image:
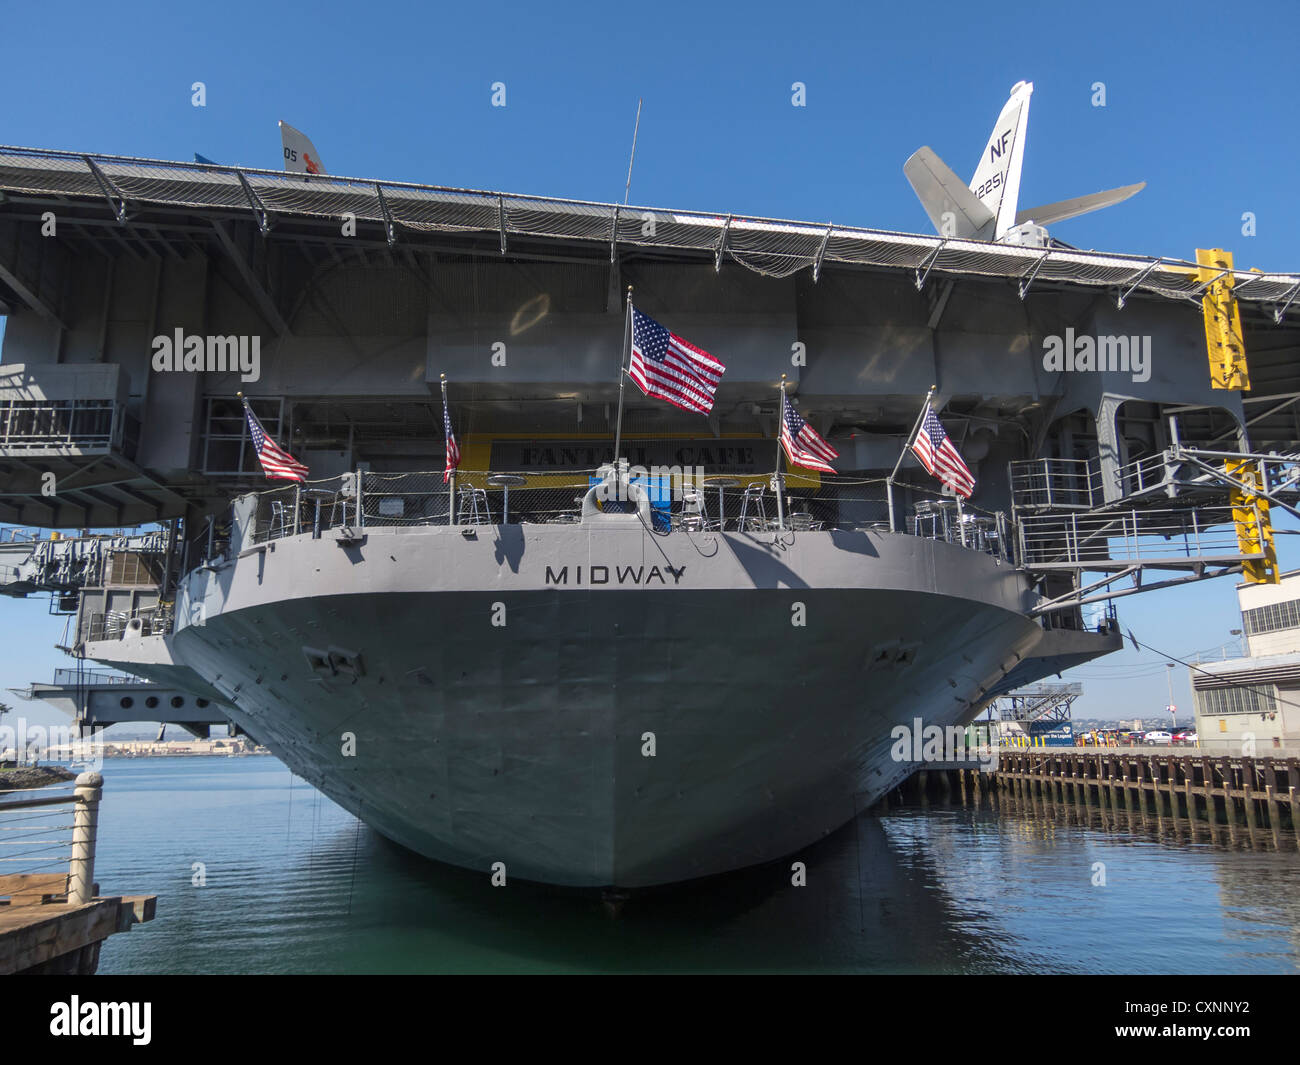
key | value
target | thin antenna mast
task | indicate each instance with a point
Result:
(635, 130)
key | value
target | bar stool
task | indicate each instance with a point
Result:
(279, 519)
(753, 510)
(474, 508)
(695, 510)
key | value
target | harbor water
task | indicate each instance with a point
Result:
(256, 872)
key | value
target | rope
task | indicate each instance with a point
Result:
(356, 842)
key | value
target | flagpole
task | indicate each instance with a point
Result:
(297, 487)
(451, 488)
(776, 476)
(889, 481)
(622, 378)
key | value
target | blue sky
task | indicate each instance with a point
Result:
(1198, 104)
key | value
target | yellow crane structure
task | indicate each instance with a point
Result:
(1228, 370)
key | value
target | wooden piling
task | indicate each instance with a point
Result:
(1248, 801)
(1207, 791)
(1294, 796)
(1272, 816)
(1229, 799)
(1121, 784)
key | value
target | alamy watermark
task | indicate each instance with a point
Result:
(937, 746)
(1100, 354)
(180, 352)
(682, 482)
(120, 1019)
(30, 743)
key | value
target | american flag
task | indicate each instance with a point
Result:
(453, 451)
(276, 463)
(803, 446)
(937, 455)
(665, 365)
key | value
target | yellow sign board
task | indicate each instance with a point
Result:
(476, 462)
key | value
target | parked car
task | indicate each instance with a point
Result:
(1159, 736)
(1187, 735)
(1131, 738)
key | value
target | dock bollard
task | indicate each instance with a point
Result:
(90, 787)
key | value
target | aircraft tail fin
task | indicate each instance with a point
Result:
(952, 207)
(300, 155)
(1063, 209)
(997, 177)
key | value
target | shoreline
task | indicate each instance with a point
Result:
(26, 778)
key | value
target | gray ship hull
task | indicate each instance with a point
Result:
(602, 706)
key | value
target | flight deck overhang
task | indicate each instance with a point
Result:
(96, 492)
(359, 295)
(144, 196)
(67, 445)
(97, 700)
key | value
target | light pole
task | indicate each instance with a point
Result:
(1241, 648)
(1173, 710)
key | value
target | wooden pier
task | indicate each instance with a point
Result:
(56, 922)
(1232, 800)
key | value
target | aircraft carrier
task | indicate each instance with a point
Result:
(499, 669)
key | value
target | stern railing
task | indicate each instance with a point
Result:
(743, 502)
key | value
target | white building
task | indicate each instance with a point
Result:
(1252, 704)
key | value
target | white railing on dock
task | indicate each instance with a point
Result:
(30, 842)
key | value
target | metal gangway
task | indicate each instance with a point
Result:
(1038, 702)
(1204, 513)
(64, 564)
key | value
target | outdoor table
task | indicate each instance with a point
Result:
(506, 481)
(319, 495)
(720, 483)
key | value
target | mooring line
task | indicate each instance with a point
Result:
(356, 840)
(857, 843)
(288, 828)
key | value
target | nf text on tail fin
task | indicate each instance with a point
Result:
(988, 207)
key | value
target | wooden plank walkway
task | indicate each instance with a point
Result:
(42, 932)
(56, 922)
